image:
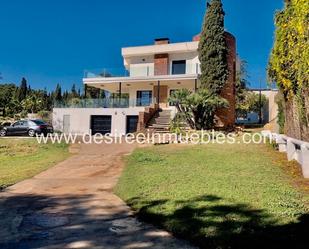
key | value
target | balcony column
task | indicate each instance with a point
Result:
(158, 93)
(195, 85)
(85, 91)
(119, 94)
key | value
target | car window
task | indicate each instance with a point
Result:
(39, 122)
(16, 123)
(24, 123)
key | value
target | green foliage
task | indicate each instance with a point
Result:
(213, 49)
(250, 103)
(281, 114)
(33, 103)
(198, 108)
(289, 60)
(22, 90)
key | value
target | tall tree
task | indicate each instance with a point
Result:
(58, 93)
(22, 90)
(213, 49)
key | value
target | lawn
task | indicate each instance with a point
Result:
(23, 158)
(219, 196)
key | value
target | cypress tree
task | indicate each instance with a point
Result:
(58, 93)
(22, 90)
(213, 49)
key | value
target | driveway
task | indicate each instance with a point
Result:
(72, 205)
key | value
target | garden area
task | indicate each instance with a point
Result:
(24, 158)
(219, 196)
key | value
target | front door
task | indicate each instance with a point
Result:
(66, 124)
(163, 95)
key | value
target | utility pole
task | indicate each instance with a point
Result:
(260, 102)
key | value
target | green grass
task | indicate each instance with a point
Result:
(24, 158)
(217, 196)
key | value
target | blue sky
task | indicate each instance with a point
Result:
(54, 41)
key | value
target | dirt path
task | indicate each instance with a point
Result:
(72, 206)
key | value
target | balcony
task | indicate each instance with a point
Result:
(105, 103)
(142, 70)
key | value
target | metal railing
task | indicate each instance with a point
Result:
(105, 103)
(142, 70)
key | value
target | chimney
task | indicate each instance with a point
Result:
(161, 41)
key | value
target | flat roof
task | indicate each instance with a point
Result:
(160, 49)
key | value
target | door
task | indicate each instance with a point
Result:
(132, 122)
(14, 129)
(101, 124)
(23, 129)
(163, 95)
(66, 123)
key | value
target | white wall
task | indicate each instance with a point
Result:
(80, 118)
(144, 65)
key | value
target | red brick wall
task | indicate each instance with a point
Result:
(146, 116)
(226, 117)
(161, 66)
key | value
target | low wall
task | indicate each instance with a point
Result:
(295, 149)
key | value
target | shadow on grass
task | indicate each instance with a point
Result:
(209, 224)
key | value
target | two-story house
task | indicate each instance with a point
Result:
(134, 95)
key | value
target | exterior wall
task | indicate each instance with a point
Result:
(80, 118)
(227, 116)
(161, 62)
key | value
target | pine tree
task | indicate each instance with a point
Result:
(213, 49)
(22, 90)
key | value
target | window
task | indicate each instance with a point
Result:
(179, 67)
(143, 98)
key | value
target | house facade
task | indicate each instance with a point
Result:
(136, 93)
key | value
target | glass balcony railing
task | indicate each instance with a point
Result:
(105, 103)
(143, 70)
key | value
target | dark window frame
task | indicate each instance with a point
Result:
(179, 67)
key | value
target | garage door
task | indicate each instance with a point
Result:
(132, 124)
(101, 124)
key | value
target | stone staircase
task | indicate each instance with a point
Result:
(160, 122)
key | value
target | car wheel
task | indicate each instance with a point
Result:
(31, 133)
(2, 133)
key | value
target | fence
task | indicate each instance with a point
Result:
(295, 149)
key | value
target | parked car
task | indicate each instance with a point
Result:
(27, 127)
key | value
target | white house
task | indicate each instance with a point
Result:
(137, 93)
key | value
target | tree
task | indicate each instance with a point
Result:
(74, 93)
(58, 93)
(33, 103)
(22, 90)
(288, 65)
(213, 49)
(241, 89)
(198, 108)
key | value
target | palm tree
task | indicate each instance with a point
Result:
(198, 108)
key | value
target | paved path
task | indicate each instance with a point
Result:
(72, 206)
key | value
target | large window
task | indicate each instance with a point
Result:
(179, 67)
(143, 98)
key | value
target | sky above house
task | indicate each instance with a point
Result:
(54, 41)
